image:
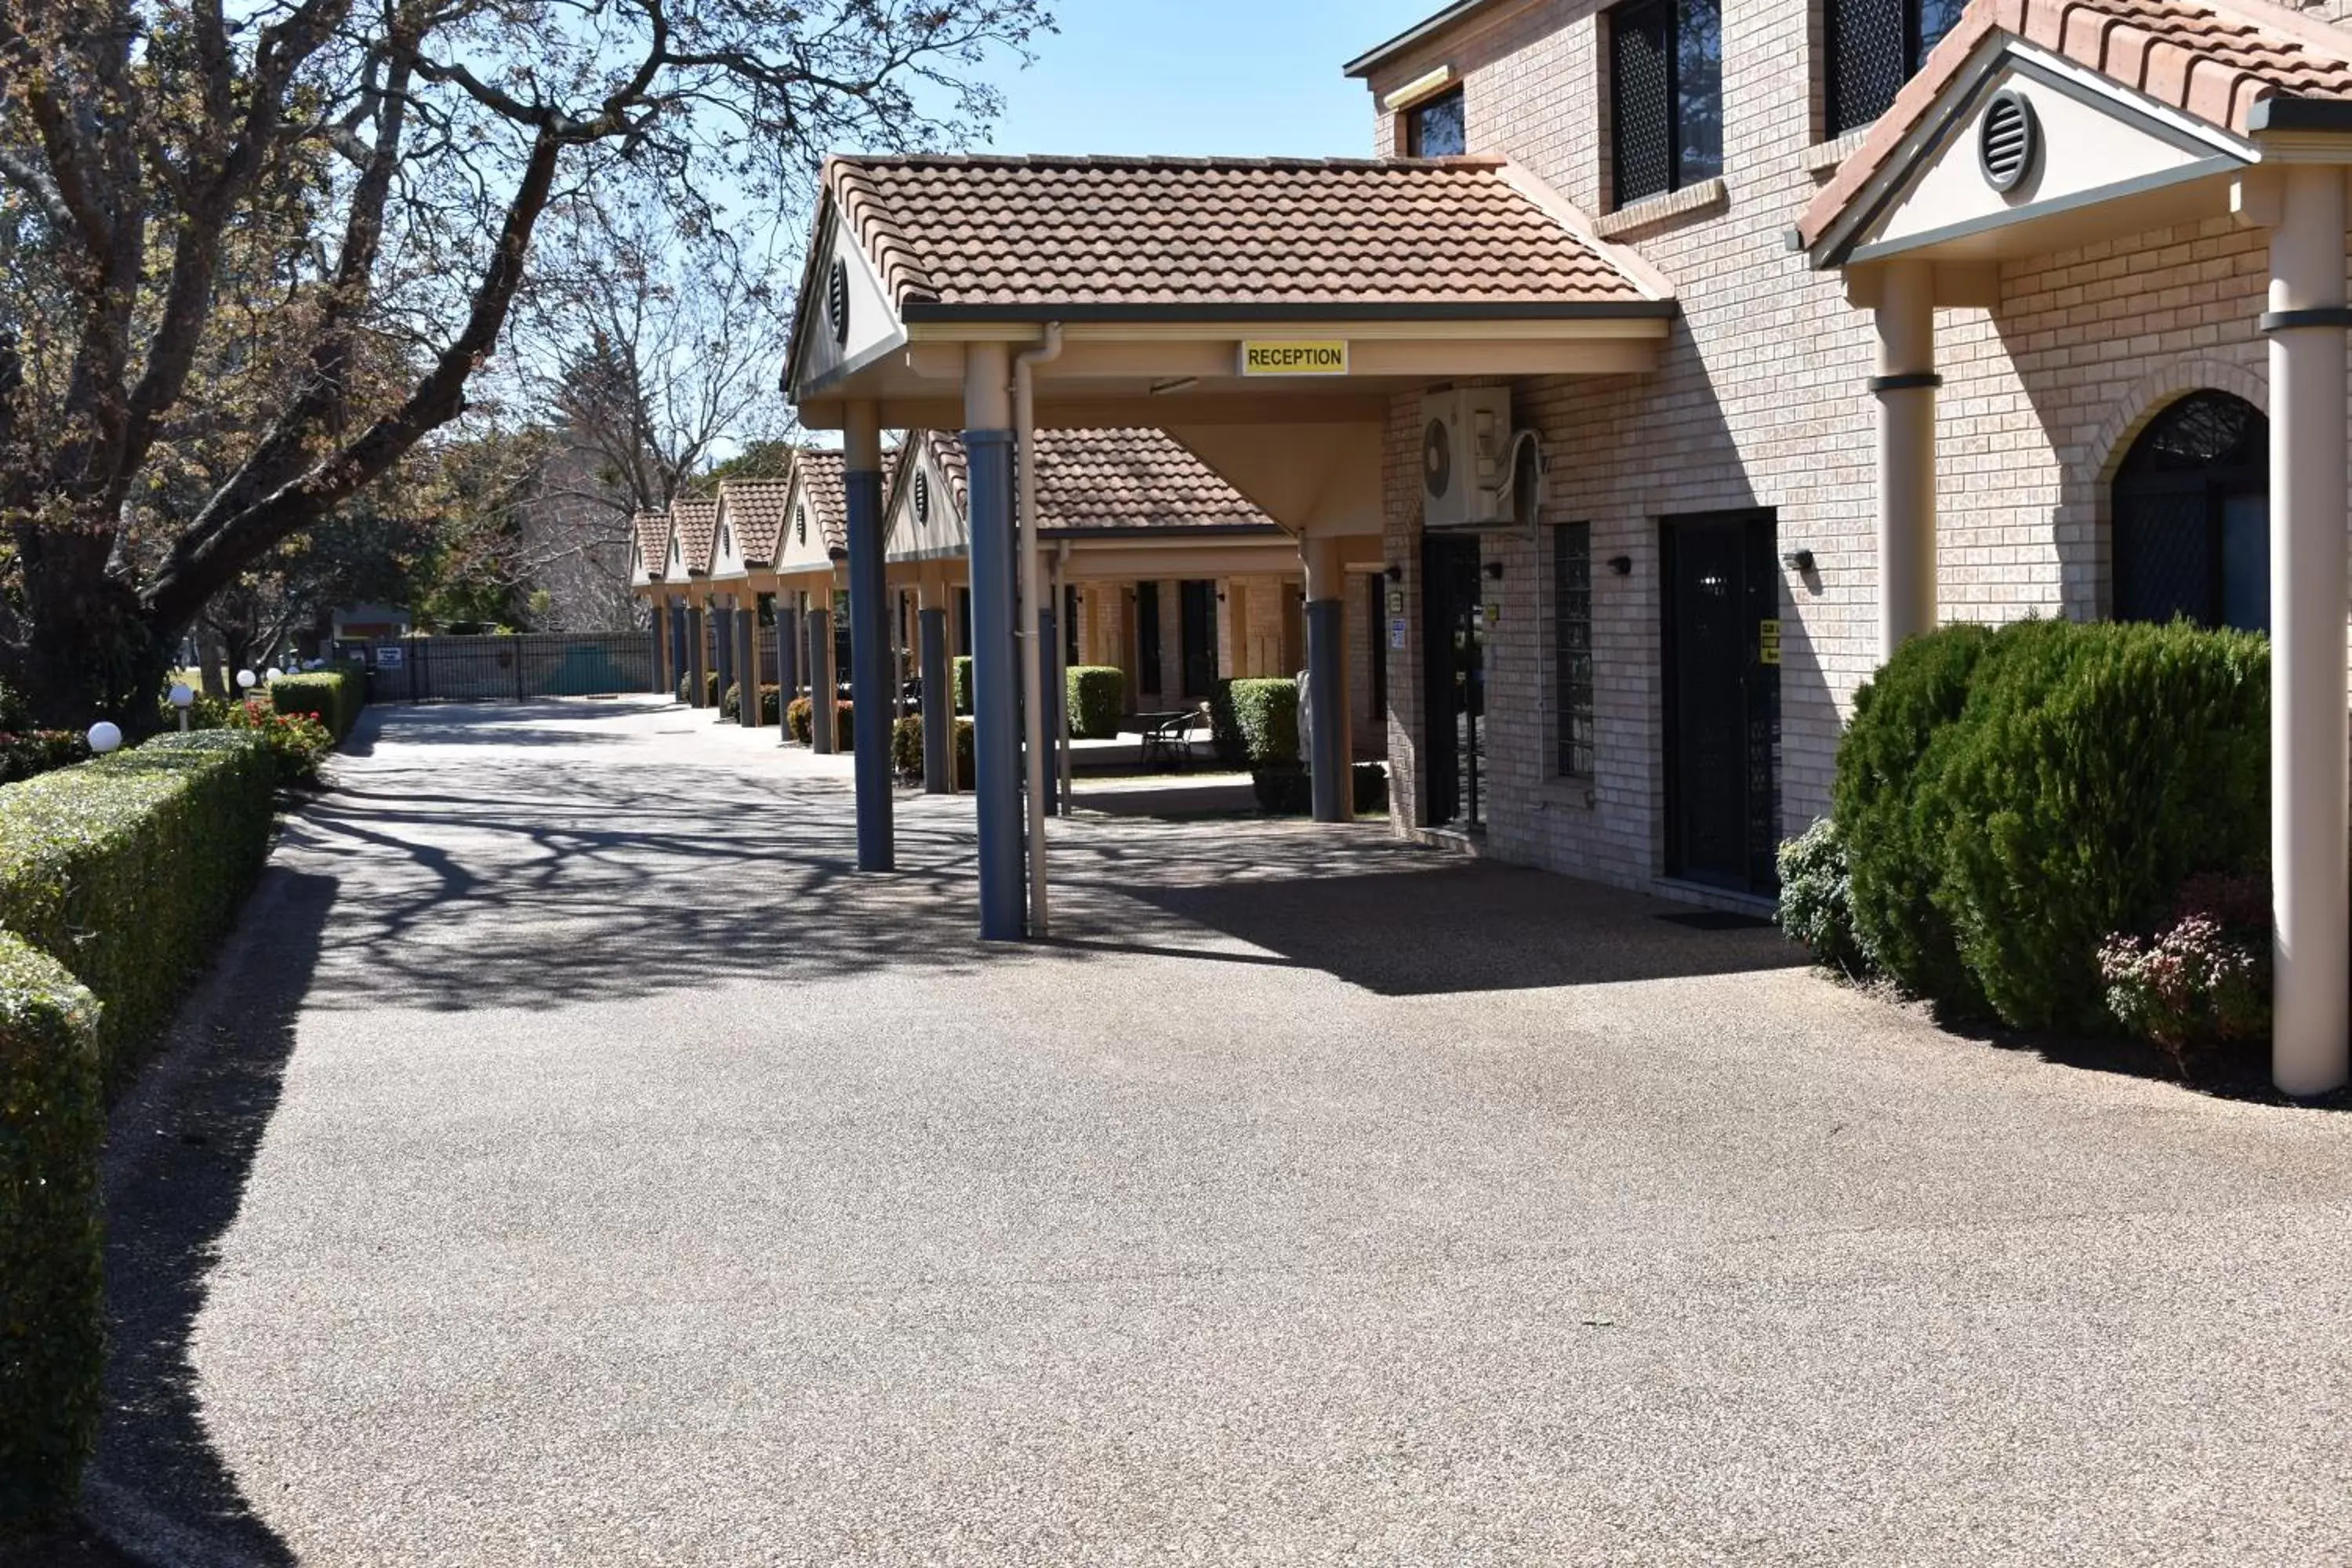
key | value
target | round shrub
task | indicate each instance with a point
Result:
(1816, 903)
(1255, 722)
(906, 751)
(799, 718)
(2011, 799)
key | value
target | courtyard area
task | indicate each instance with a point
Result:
(575, 1160)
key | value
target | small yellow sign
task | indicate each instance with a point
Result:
(1769, 640)
(1295, 358)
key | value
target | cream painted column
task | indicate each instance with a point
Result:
(1906, 389)
(2311, 889)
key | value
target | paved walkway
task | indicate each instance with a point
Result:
(576, 1162)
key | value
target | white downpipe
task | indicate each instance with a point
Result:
(1062, 635)
(1032, 685)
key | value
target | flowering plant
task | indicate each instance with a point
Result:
(2201, 988)
(297, 740)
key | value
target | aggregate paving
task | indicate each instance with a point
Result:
(574, 1161)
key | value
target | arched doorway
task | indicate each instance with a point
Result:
(2192, 516)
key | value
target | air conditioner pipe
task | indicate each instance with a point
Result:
(1032, 685)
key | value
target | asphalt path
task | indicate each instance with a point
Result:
(574, 1161)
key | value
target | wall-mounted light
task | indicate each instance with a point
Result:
(1495, 570)
(1798, 561)
(1621, 564)
(1393, 574)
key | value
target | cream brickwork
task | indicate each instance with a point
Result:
(1761, 402)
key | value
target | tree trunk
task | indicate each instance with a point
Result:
(93, 654)
(214, 659)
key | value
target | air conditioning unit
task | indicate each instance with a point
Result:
(1475, 470)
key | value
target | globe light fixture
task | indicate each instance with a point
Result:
(104, 737)
(183, 697)
(272, 673)
(245, 679)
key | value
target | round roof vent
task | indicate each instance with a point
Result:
(837, 300)
(2008, 138)
(922, 499)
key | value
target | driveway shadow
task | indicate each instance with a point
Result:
(180, 1147)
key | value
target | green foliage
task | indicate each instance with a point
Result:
(52, 1307)
(1096, 694)
(1257, 721)
(127, 869)
(297, 742)
(29, 754)
(710, 693)
(1370, 788)
(1816, 898)
(906, 751)
(801, 719)
(1285, 789)
(730, 706)
(2011, 800)
(960, 682)
(334, 697)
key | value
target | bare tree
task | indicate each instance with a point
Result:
(299, 228)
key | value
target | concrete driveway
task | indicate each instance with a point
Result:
(575, 1162)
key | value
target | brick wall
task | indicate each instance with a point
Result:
(1760, 401)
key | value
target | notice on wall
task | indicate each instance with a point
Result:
(1768, 642)
(388, 658)
(1396, 601)
(1294, 357)
(1396, 634)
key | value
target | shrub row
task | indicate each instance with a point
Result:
(52, 1339)
(906, 752)
(772, 698)
(126, 869)
(2008, 800)
(1289, 790)
(334, 697)
(801, 719)
(29, 754)
(1096, 694)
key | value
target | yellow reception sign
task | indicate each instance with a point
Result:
(1295, 358)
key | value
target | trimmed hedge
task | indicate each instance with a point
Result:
(126, 869)
(906, 752)
(1255, 722)
(771, 704)
(29, 754)
(334, 697)
(1096, 694)
(2010, 799)
(801, 719)
(1288, 789)
(52, 1302)
(960, 682)
(710, 689)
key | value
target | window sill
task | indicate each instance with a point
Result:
(1651, 211)
(1563, 789)
(1821, 159)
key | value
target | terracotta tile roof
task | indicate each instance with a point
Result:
(2210, 61)
(958, 233)
(947, 450)
(823, 468)
(652, 533)
(1117, 478)
(756, 510)
(697, 530)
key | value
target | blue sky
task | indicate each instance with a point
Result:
(1233, 77)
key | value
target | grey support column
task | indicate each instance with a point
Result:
(1327, 760)
(788, 664)
(722, 637)
(995, 669)
(658, 632)
(873, 693)
(697, 635)
(677, 659)
(747, 663)
(822, 731)
(938, 703)
(1049, 693)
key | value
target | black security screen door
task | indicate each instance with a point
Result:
(1723, 699)
(1454, 660)
(2192, 517)
(1199, 626)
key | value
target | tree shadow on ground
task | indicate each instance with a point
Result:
(180, 1147)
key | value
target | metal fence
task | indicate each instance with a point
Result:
(511, 669)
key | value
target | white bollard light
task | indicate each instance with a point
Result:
(245, 679)
(272, 673)
(104, 737)
(184, 697)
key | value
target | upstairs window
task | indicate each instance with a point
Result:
(1666, 96)
(1437, 128)
(1874, 46)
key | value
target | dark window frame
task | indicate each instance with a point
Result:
(1416, 115)
(1842, 21)
(1572, 652)
(1668, 20)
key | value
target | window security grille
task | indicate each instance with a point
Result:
(1666, 72)
(1572, 646)
(1873, 47)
